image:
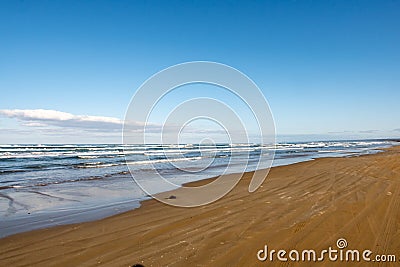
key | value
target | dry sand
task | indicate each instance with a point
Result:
(307, 205)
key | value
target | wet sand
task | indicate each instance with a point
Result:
(308, 205)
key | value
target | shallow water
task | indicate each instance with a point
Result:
(45, 185)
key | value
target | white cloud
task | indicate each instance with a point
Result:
(44, 117)
(37, 124)
(36, 114)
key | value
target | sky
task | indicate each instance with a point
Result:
(69, 69)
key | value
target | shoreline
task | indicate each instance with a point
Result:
(66, 216)
(352, 197)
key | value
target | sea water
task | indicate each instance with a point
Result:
(48, 184)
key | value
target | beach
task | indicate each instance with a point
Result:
(199, 133)
(307, 205)
(45, 185)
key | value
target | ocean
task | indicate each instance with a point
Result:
(51, 184)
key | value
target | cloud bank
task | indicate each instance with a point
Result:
(42, 124)
(46, 118)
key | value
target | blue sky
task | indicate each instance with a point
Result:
(327, 68)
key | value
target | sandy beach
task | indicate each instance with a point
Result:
(308, 205)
